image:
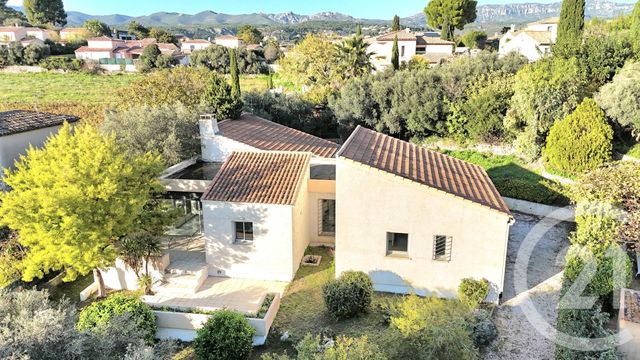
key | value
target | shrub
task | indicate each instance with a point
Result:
(619, 98)
(581, 141)
(97, 315)
(482, 329)
(349, 295)
(61, 63)
(473, 292)
(217, 97)
(227, 335)
(317, 348)
(612, 268)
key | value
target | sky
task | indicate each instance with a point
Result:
(371, 9)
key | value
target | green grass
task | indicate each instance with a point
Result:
(513, 178)
(633, 151)
(71, 290)
(303, 311)
(69, 87)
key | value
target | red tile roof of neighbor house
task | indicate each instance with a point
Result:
(260, 177)
(423, 166)
(403, 35)
(18, 121)
(267, 135)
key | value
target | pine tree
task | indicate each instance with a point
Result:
(45, 12)
(395, 24)
(235, 77)
(570, 28)
(395, 54)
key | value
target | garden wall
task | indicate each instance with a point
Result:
(184, 326)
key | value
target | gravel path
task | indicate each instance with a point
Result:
(518, 338)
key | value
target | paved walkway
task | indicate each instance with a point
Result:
(242, 295)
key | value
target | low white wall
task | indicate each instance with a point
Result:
(184, 326)
(531, 208)
(116, 68)
(122, 277)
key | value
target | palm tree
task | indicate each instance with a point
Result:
(352, 57)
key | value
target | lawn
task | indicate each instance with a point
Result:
(513, 178)
(71, 290)
(303, 311)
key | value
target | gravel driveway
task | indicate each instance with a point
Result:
(518, 338)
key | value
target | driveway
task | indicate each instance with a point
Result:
(518, 338)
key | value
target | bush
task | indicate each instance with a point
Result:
(61, 63)
(217, 97)
(473, 292)
(482, 329)
(227, 335)
(581, 141)
(97, 315)
(349, 295)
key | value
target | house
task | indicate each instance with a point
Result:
(229, 41)
(189, 46)
(534, 41)
(9, 34)
(105, 47)
(434, 219)
(20, 129)
(427, 44)
(40, 34)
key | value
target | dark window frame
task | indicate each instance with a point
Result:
(322, 231)
(394, 243)
(442, 246)
(244, 232)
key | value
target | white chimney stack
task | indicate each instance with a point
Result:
(208, 131)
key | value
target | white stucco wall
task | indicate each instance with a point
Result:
(319, 190)
(372, 203)
(382, 52)
(95, 55)
(301, 225)
(522, 44)
(12, 146)
(439, 49)
(218, 148)
(229, 43)
(269, 257)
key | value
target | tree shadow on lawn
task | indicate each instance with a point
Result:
(515, 181)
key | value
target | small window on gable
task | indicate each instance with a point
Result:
(397, 243)
(442, 248)
(244, 232)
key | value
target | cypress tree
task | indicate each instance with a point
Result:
(635, 28)
(235, 77)
(395, 54)
(395, 24)
(359, 30)
(570, 28)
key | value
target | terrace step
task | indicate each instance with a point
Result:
(185, 280)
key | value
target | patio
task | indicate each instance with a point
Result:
(245, 296)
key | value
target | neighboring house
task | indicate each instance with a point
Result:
(427, 44)
(20, 129)
(40, 34)
(74, 34)
(417, 220)
(189, 46)
(229, 41)
(533, 42)
(107, 48)
(9, 34)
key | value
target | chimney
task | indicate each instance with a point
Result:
(208, 141)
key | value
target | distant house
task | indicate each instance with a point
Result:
(426, 44)
(229, 41)
(20, 129)
(189, 46)
(107, 48)
(534, 41)
(417, 220)
(9, 34)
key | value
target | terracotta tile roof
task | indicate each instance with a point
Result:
(90, 49)
(18, 121)
(403, 35)
(260, 177)
(541, 37)
(11, 29)
(267, 135)
(423, 166)
(226, 37)
(430, 40)
(196, 41)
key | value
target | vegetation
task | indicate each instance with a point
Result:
(582, 141)
(169, 130)
(473, 292)
(217, 58)
(585, 324)
(8, 14)
(97, 28)
(449, 15)
(316, 348)
(352, 57)
(474, 39)
(395, 54)
(395, 23)
(570, 28)
(16, 54)
(635, 28)
(227, 335)
(349, 295)
(95, 316)
(431, 328)
(249, 34)
(235, 76)
(45, 12)
(619, 98)
(34, 327)
(78, 192)
(219, 99)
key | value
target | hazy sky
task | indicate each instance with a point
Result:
(373, 9)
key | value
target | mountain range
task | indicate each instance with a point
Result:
(516, 13)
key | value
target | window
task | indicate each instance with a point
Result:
(402, 51)
(244, 231)
(442, 248)
(397, 243)
(327, 217)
